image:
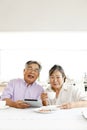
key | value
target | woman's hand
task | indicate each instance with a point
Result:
(66, 106)
(44, 98)
(74, 105)
(70, 105)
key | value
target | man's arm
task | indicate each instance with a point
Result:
(17, 104)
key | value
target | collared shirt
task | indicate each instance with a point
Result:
(68, 93)
(17, 89)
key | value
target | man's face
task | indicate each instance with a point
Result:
(31, 73)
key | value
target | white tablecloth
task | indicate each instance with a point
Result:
(28, 119)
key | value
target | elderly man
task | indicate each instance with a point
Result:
(19, 89)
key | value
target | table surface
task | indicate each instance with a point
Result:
(28, 119)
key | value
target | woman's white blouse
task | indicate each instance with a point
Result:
(69, 93)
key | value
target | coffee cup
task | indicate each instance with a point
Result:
(2, 104)
(51, 95)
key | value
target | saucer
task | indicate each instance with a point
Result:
(4, 107)
(47, 109)
(43, 111)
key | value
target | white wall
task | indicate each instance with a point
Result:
(43, 15)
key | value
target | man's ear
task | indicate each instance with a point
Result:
(38, 78)
(23, 70)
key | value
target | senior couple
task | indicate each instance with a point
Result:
(66, 95)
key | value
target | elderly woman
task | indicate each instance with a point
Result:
(67, 95)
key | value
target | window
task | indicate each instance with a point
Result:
(65, 49)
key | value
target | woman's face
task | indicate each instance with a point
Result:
(56, 80)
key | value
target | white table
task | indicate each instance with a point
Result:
(27, 119)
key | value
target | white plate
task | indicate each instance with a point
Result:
(4, 107)
(43, 111)
(46, 109)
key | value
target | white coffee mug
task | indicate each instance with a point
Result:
(51, 95)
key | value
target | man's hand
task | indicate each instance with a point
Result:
(21, 104)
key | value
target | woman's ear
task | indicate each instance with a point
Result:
(64, 78)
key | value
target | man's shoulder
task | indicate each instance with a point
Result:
(37, 84)
(16, 80)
